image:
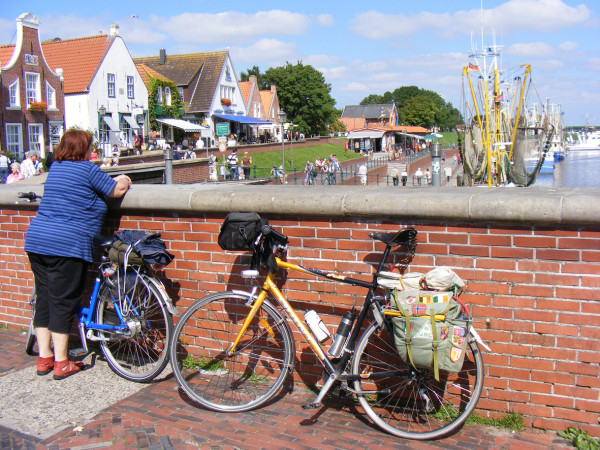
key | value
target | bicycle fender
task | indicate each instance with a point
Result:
(164, 297)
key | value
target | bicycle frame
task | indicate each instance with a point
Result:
(334, 369)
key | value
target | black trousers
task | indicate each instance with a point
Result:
(59, 284)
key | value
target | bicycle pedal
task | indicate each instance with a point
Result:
(312, 406)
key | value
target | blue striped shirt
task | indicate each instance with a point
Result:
(71, 211)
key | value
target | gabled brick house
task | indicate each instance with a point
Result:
(31, 94)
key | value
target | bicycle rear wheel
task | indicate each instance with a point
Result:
(249, 377)
(30, 340)
(141, 353)
(410, 403)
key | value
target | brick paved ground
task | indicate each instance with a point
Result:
(160, 417)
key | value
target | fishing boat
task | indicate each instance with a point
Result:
(586, 140)
(505, 140)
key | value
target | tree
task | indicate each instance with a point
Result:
(261, 80)
(444, 114)
(304, 96)
(419, 111)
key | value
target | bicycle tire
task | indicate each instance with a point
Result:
(410, 403)
(240, 382)
(31, 340)
(142, 354)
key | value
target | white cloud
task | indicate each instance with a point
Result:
(354, 87)
(594, 64)
(321, 60)
(335, 73)
(265, 51)
(532, 49)
(325, 20)
(569, 46)
(513, 15)
(230, 27)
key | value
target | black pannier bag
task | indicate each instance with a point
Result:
(240, 230)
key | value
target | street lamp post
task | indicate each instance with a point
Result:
(281, 115)
(291, 128)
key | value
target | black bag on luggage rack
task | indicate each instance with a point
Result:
(240, 230)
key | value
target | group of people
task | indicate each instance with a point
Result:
(236, 168)
(13, 171)
(329, 166)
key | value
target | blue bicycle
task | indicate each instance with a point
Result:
(129, 314)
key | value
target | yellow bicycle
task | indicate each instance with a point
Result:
(232, 351)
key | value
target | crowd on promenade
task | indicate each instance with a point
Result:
(12, 171)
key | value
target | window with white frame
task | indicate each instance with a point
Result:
(180, 89)
(14, 139)
(130, 90)
(50, 96)
(167, 96)
(13, 94)
(110, 79)
(36, 137)
(32, 87)
(159, 94)
(227, 92)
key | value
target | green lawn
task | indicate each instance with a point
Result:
(264, 161)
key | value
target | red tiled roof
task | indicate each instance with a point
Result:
(147, 72)
(79, 58)
(267, 101)
(6, 52)
(245, 88)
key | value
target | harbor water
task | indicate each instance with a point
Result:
(578, 169)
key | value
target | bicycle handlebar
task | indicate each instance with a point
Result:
(28, 197)
(266, 230)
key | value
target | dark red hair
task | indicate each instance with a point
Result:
(73, 146)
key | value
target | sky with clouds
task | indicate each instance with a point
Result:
(361, 48)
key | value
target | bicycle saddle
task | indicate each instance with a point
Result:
(406, 236)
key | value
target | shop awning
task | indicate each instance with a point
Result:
(131, 122)
(366, 134)
(183, 124)
(242, 119)
(108, 120)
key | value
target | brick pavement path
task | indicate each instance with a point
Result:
(160, 417)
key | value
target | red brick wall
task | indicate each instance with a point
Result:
(537, 285)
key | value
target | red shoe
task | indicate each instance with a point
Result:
(45, 365)
(66, 368)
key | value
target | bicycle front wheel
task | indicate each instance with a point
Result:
(141, 353)
(410, 403)
(226, 382)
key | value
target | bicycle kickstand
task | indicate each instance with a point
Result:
(322, 393)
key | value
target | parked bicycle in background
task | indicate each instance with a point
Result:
(129, 312)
